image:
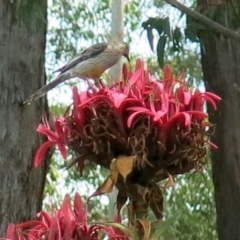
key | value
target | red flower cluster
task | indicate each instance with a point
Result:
(137, 116)
(67, 223)
(152, 128)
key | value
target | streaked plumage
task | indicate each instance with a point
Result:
(91, 63)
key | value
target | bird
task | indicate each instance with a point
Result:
(89, 64)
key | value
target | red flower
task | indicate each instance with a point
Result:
(114, 118)
(58, 137)
(67, 223)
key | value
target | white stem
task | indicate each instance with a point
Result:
(117, 9)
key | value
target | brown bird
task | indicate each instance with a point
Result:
(90, 64)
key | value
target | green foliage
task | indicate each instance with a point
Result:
(132, 15)
(61, 181)
(187, 62)
(173, 45)
(74, 25)
(165, 34)
(189, 209)
(191, 29)
(159, 3)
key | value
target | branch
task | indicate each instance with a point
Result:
(204, 20)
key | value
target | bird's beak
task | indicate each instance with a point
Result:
(126, 55)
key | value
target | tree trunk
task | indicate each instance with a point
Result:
(22, 47)
(221, 68)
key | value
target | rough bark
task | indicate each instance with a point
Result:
(22, 47)
(221, 68)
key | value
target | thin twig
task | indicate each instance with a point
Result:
(204, 20)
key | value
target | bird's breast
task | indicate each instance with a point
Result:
(95, 67)
(95, 72)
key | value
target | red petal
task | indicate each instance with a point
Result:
(76, 103)
(126, 90)
(11, 233)
(68, 230)
(76, 99)
(130, 118)
(62, 149)
(140, 109)
(41, 151)
(92, 98)
(208, 97)
(199, 113)
(59, 127)
(37, 232)
(139, 64)
(54, 232)
(197, 103)
(136, 76)
(67, 215)
(66, 209)
(118, 98)
(159, 86)
(84, 96)
(187, 117)
(117, 218)
(78, 207)
(180, 95)
(167, 72)
(213, 145)
(180, 115)
(212, 95)
(187, 97)
(152, 107)
(211, 102)
(30, 223)
(158, 115)
(125, 71)
(49, 133)
(137, 110)
(46, 219)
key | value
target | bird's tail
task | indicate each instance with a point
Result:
(42, 91)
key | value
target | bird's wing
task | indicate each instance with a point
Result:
(90, 52)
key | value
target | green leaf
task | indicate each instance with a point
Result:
(166, 27)
(176, 38)
(158, 25)
(154, 23)
(191, 29)
(160, 50)
(150, 37)
(191, 34)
